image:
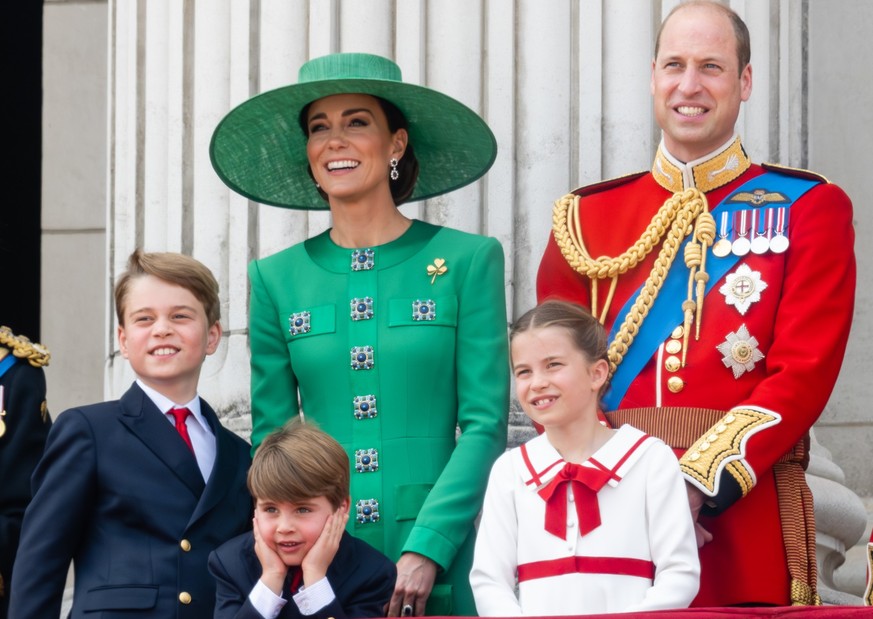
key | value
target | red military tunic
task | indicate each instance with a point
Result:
(795, 332)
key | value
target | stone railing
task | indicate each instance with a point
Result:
(840, 521)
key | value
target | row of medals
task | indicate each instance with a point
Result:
(756, 230)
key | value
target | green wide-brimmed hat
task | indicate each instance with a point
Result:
(259, 148)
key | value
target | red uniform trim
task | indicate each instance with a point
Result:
(619, 566)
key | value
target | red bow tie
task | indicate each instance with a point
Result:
(586, 483)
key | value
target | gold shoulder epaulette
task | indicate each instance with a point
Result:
(587, 190)
(37, 355)
(799, 172)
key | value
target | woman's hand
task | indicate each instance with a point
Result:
(415, 576)
(273, 569)
(320, 556)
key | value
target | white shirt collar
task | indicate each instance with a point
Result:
(164, 404)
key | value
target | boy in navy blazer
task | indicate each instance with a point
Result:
(137, 492)
(299, 549)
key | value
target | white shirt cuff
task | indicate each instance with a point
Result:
(313, 598)
(267, 603)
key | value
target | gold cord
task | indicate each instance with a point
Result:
(21, 347)
(684, 213)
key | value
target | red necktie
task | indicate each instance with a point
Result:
(296, 578)
(181, 414)
(586, 482)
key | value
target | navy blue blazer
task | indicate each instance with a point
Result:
(119, 493)
(362, 579)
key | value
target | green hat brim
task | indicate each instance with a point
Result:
(259, 148)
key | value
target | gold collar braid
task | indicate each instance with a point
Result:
(708, 173)
(684, 213)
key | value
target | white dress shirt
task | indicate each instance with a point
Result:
(202, 436)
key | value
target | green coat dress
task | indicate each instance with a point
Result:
(391, 348)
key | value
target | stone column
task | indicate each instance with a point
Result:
(840, 520)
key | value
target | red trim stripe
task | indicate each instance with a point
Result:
(620, 566)
(627, 455)
(535, 479)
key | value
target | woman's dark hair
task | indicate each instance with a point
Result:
(407, 167)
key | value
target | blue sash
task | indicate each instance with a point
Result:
(7, 362)
(666, 312)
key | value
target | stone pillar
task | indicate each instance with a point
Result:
(840, 519)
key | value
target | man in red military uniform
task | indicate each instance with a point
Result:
(729, 289)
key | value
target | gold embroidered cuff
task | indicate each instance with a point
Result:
(722, 449)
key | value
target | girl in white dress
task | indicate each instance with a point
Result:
(583, 518)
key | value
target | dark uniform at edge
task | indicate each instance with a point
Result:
(24, 425)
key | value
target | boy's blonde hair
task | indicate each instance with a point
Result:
(297, 462)
(178, 269)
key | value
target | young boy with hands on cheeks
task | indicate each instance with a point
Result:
(299, 548)
(582, 518)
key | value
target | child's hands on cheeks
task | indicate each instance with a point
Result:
(273, 569)
(320, 556)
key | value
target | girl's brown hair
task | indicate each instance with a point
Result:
(586, 333)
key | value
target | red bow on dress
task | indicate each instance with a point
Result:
(586, 483)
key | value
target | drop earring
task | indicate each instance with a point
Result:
(394, 173)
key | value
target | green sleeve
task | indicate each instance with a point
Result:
(274, 386)
(482, 365)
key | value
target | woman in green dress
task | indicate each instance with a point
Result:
(389, 332)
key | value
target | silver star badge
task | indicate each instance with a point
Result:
(742, 288)
(740, 351)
